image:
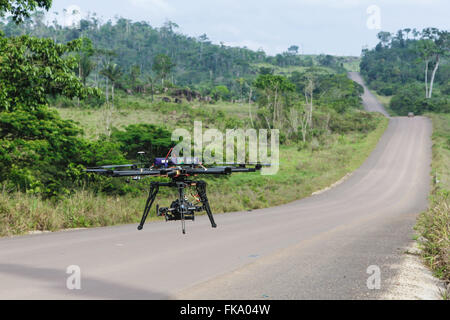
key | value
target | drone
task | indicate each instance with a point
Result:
(180, 171)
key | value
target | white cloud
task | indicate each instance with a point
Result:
(355, 3)
(160, 6)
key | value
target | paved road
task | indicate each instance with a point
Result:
(315, 248)
(370, 101)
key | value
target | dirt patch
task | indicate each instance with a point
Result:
(413, 280)
(348, 175)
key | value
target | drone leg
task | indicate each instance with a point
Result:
(201, 189)
(154, 188)
(181, 197)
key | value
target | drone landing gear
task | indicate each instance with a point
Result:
(180, 209)
(154, 188)
(201, 189)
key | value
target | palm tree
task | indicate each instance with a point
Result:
(112, 72)
(162, 66)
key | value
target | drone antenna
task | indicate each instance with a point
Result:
(170, 151)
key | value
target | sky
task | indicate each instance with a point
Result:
(338, 27)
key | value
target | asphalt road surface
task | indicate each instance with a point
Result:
(370, 101)
(317, 248)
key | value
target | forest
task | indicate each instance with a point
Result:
(413, 67)
(144, 53)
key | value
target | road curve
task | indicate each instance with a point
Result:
(370, 101)
(315, 248)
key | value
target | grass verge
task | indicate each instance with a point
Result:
(434, 224)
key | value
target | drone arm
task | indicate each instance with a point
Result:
(125, 173)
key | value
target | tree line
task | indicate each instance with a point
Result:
(146, 54)
(413, 66)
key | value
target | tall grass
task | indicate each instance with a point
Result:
(434, 224)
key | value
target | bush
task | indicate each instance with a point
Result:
(362, 122)
(155, 141)
(411, 98)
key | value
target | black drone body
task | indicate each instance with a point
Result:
(180, 172)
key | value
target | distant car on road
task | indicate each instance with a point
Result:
(411, 115)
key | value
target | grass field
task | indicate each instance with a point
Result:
(352, 64)
(301, 173)
(434, 224)
(132, 110)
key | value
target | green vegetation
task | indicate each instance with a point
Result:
(144, 53)
(434, 224)
(414, 70)
(37, 147)
(301, 172)
(117, 88)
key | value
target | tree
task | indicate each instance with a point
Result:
(221, 92)
(430, 48)
(442, 48)
(242, 82)
(152, 139)
(37, 147)
(151, 81)
(407, 31)
(112, 72)
(202, 39)
(265, 70)
(85, 64)
(162, 66)
(384, 37)
(309, 97)
(31, 69)
(21, 9)
(293, 50)
(274, 87)
(135, 73)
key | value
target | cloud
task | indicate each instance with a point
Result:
(160, 6)
(356, 3)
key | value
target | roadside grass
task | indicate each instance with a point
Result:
(434, 224)
(352, 64)
(386, 102)
(302, 172)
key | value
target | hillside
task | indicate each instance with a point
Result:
(197, 62)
